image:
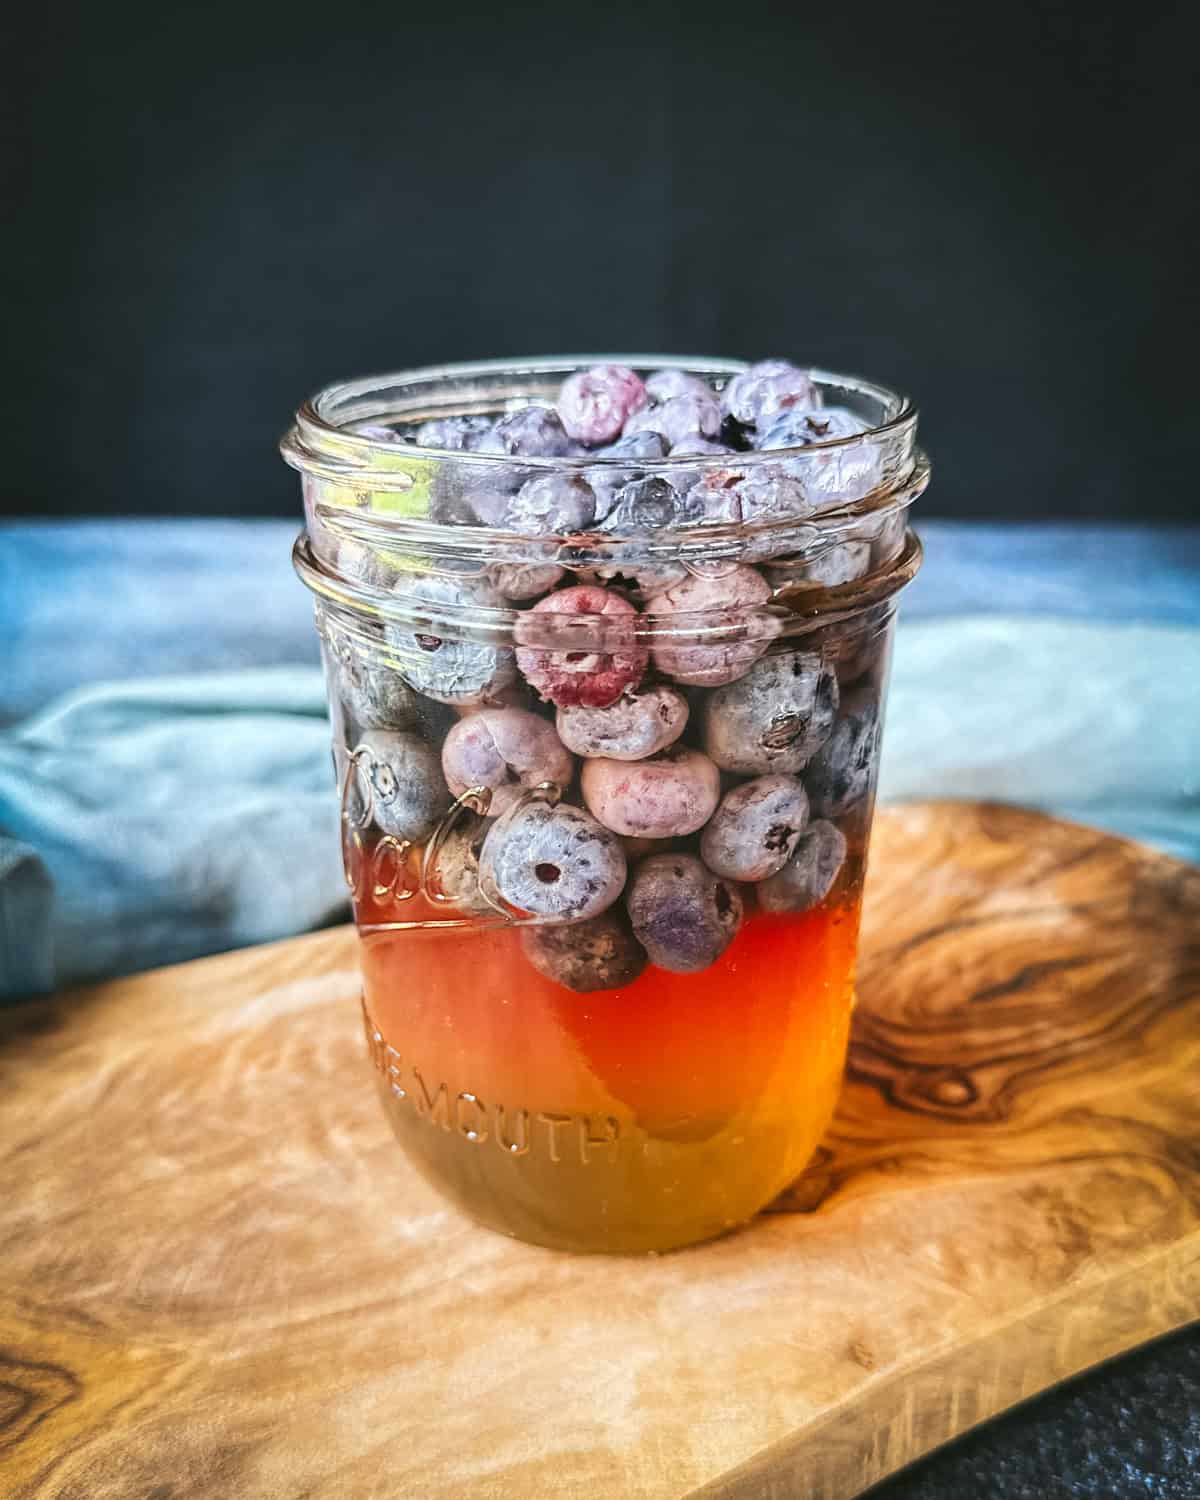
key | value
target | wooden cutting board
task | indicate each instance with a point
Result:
(219, 1278)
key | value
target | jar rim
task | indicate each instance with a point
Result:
(316, 444)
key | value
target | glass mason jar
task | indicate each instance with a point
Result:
(607, 947)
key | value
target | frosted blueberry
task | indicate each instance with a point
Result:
(699, 447)
(646, 505)
(753, 832)
(681, 419)
(529, 432)
(579, 646)
(839, 774)
(767, 388)
(436, 664)
(607, 479)
(682, 914)
(507, 750)
(841, 563)
(641, 722)
(378, 433)
(798, 429)
(644, 445)
(595, 403)
(665, 385)
(454, 872)
(457, 434)
(401, 774)
(376, 697)
(775, 718)
(668, 796)
(598, 954)
(524, 580)
(718, 629)
(808, 876)
(549, 504)
(553, 862)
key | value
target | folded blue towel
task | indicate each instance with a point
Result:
(150, 822)
(144, 823)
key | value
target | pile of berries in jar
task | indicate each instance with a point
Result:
(639, 787)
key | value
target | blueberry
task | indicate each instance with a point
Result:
(808, 876)
(598, 954)
(550, 504)
(699, 447)
(456, 434)
(775, 718)
(681, 913)
(432, 660)
(841, 563)
(729, 607)
(681, 419)
(840, 773)
(530, 432)
(553, 862)
(579, 646)
(362, 564)
(667, 796)
(638, 580)
(665, 385)
(646, 505)
(767, 388)
(506, 750)
(799, 429)
(376, 697)
(524, 580)
(641, 722)
(595, 403)
(402, 777)
(753, 832)
(454, 871)
(645, 445)
(773, 503)
(378, 433)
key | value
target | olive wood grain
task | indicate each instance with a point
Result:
(218, 1277)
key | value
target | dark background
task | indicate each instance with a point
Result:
(218, 209)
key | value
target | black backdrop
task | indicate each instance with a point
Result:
(219, 208)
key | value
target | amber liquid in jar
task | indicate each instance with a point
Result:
(632, 1119)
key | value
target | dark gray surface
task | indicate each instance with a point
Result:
(1127, 1431)
(218, 209)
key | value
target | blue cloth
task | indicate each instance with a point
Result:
(176, 797)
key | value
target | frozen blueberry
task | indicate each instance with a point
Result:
(699, 447)
(754, 830)
(378, 433)
(595, 403)
(839, 774)
(670, 795)
(835, 564)
(681, 419)
(579, 646)
(646, 505)
(376, 697)
(549, 504)
(641, 722)
(798, 429)
(440, 666)
(681, 913)
(454, 871)
(808, 876)
(362, 564)
(647, 446)
(524, 580)
(507, 750)
(457, 434)
(767, 388)
(599, 954)
(717, 627)
(528, 432)
(638, 580)
(775, 718)
(401, 775)
(665, 385)
(554, 862)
